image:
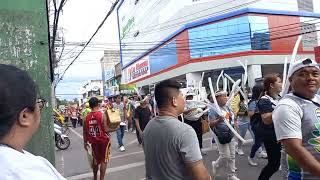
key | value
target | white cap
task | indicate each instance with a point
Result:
(301, 64)
(190, 94)
(219, 93)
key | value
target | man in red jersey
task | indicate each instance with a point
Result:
(96, 139)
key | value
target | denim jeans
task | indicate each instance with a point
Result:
(243, 128)
(120, 134)
(226, 156)
(257, 144)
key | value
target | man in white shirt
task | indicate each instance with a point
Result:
(296, 123)
(20, 110)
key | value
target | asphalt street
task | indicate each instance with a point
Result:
(129, 165)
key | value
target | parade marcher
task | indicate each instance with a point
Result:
(142, 117)
(79, 114)
(85, 111)
(130, 113)
(296, 122)
(191, 117)
(73, 116)
(96, 138)
(123, 116)
(242, 121)
(257, 91)
(272, 84)
(223, 137)
(213, 142)
(20, 112)
(171, 147)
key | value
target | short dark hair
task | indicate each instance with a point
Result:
(93, 102)
(257, 91)
(166, 90)
(17, 92)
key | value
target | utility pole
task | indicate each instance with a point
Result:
(24, 40)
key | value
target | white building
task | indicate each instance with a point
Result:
(94, 88)
(180, 39)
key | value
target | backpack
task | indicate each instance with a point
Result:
(256, 122)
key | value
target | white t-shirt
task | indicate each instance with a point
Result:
(15, 165)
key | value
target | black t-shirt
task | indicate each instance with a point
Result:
(143, 115)
(266, 105)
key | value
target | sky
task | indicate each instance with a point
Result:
(79, 20)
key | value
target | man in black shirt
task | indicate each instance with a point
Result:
(142, 117)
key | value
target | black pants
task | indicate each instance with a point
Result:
(197, 126)
(139, 137)
(74, 122)
(138, 134)
(273, 149)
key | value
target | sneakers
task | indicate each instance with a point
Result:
(214, 168)
(122, 148)
(233, 177)
(214, 147)
(203, 153)
(251, 162)
(262, 154)
(239, 151)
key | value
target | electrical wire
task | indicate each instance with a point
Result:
(99, 27)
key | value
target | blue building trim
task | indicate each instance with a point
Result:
(217, 18)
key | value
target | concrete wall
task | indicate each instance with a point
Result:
(24, 43)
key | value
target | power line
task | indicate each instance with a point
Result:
(99, 27)
(152, 30)
(225, 40)
(143, 43)
(234, 44)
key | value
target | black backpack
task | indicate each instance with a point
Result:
(256, 121)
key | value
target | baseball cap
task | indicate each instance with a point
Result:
(190, 94)
(301, 64)
(220, 92)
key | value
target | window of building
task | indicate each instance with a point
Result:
(305, 5)
(234, 35)
(309, 36)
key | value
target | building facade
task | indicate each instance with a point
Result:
(93, 88)
(195, 36)
(108, 65)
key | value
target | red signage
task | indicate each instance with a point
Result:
(138, 70)
(317, 54)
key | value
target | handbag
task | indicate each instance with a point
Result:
(205, 126)
(114, 118)
(224, 136)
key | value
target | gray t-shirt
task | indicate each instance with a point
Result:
(168, 146)
(297, 118)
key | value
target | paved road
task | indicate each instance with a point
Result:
(129, 165)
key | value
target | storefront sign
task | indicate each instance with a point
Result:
(127, 86)
(317, 54)
(108, 74)
(138, 70)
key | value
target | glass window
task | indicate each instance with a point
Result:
(234, 35)
(260, 37)
(305, 5)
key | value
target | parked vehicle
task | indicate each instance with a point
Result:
(62, 141)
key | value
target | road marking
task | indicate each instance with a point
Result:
(124, 155)
(110, 170)
(134, 141)
(62, 164)
(76, 133)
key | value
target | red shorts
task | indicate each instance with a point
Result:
(101, 151)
